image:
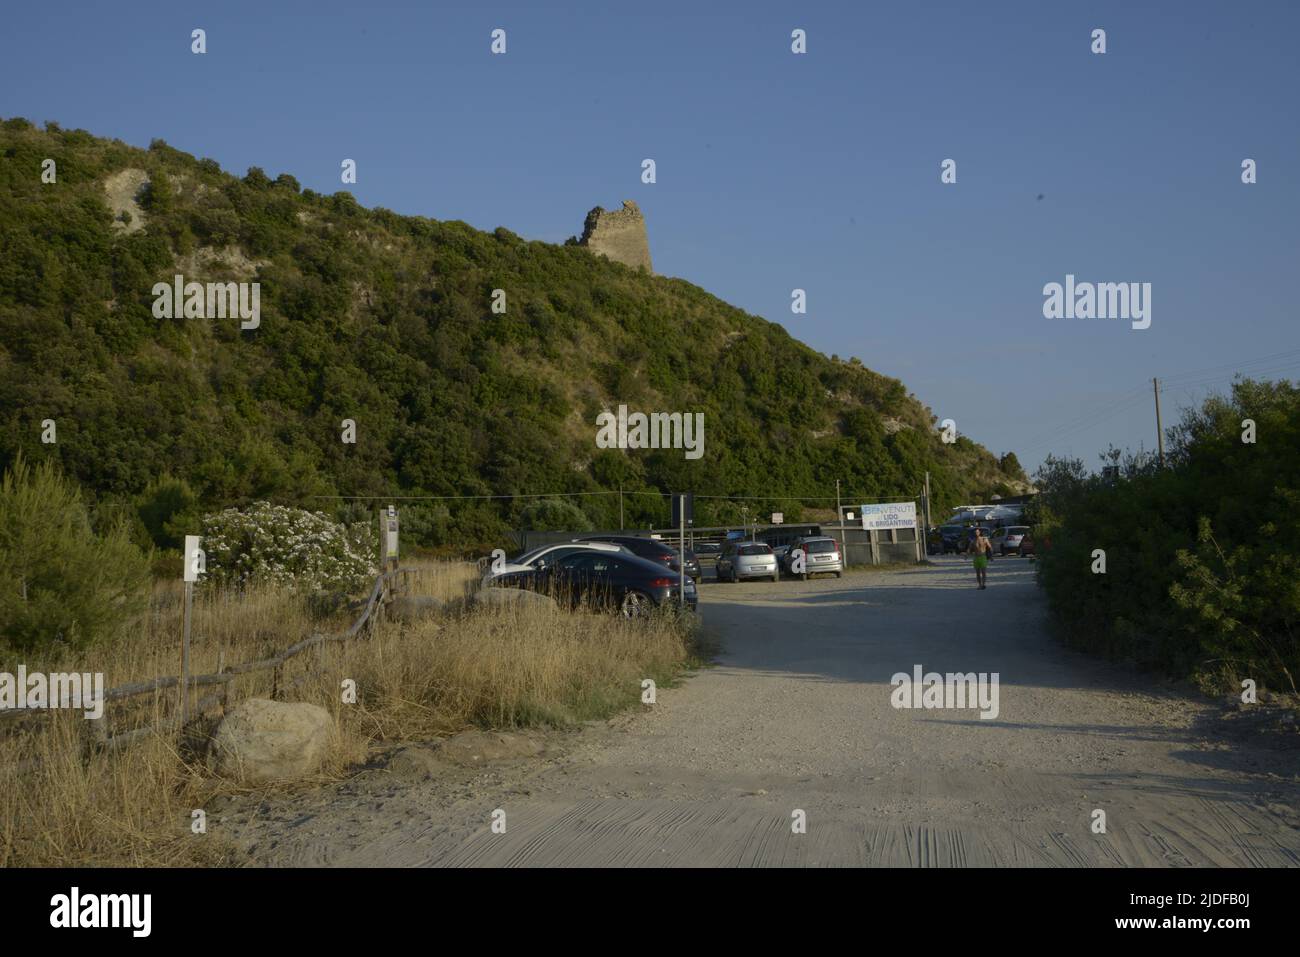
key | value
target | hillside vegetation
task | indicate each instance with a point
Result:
(386, 320)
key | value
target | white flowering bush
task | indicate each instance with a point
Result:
(274, 544)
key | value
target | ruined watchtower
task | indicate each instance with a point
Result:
(618, 235)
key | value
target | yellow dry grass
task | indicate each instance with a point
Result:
(64, 802)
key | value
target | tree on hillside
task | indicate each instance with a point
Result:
(61, 580)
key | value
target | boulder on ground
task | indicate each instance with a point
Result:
(512, 598)
(261, 741)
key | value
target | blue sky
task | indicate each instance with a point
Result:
(778, 171)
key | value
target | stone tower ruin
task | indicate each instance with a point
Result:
(618, 235)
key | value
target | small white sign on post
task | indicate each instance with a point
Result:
(195, 560)
(194, 565)
(889, 515)
(778, 518)
(390, 533)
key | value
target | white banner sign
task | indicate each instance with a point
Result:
(889, 515)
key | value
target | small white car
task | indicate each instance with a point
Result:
(746, 560)
(544, 555)
(821, 554)
(1008, 538)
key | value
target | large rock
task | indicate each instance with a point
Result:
(512, 598)
(260, 741)
(410, 608)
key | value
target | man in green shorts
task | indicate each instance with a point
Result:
(983, 549)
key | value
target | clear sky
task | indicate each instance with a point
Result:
(775, 171)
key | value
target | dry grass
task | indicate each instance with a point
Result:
(506, 668)
(64, 803)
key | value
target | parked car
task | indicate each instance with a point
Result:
(747, 560)
(707, 549)
(622, 582)
(655, 549)
(1027, 543)
(950, 538)
(821, 556)
(544, 555)
(1008, 538)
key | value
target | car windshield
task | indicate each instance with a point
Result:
(1017, 529)
(822, 545)
(547, 556)
(755, 550)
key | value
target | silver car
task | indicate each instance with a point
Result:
(746, 560)
(1008, 538)
(821, 555)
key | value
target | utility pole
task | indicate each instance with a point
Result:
(1160, 432)
(927, 509)
(839, 518)
(681, 554)
(620, 508)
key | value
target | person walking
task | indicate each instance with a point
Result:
(983, 549)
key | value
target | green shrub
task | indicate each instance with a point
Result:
(169, 510)
(1202, 557)
(61, 581)
(554, 515)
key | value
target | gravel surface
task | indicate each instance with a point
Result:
(797, 717)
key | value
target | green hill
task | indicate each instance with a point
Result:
(386, 320)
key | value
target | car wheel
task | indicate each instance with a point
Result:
(636, 605)
(839, 574)
(776, 578)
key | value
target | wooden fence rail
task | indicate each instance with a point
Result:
(381, 594)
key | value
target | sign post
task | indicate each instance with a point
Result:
(683, 512)
(681, 557)
(194, 563)
(387, 538)
(891, 515)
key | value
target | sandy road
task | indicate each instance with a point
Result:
(797, 716)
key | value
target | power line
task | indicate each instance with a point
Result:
(1190, 379)
(1231, 367)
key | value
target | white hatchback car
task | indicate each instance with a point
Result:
(821, 554)
(544, 555)
(746, 560)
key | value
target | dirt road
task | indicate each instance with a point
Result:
(797, 716)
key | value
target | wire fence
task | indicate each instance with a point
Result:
(387, 586)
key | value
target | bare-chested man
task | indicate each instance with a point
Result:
(982, 548)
